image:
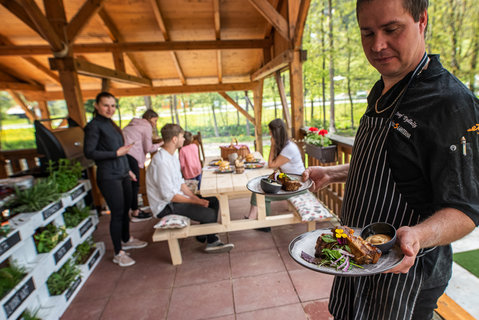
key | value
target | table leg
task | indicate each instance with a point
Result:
(260, 202)
(225, 209)
(175, 252)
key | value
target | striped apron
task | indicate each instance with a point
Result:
(370, 196)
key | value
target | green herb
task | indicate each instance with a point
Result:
(9, 277)
(61, 280)
(4, 230)
(47, 238)
(83, 251)
(30, 315)
(328, 238)
(65, 173)
(74, 215)
(41, 194)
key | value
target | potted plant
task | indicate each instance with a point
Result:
(84, 251)
(40, 195)
(65, 174)
(48, 237)
(74, 215)
(319, 146)
(9, 277)
(61, 280)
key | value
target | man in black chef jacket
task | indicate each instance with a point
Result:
(415, 164)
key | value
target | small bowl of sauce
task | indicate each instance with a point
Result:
(382, 235)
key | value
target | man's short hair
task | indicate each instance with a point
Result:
(414, 7)
(170, 130)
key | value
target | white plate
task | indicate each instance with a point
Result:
(307, 242)
(254, 185)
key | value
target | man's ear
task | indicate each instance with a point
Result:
(423, 20)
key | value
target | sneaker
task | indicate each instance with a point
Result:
(218, 247)
(133, 244)
(123, 260)
(201, 239)
(142, 216)
(265, 229)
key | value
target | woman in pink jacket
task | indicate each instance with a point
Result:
(139, 133)
(189, 160)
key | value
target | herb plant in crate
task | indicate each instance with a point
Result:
(61, 280)
(30, 315)
(74, 215)
(48, 237)
(319, 146)
(10, 276)
(65, 173)
(40, 195)
(83, 251)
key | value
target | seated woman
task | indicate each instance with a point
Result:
(189, 159)
(285, 155)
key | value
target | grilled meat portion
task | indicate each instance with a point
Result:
(287, 183)
(363, 251)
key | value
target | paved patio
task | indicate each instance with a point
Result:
(256, 280)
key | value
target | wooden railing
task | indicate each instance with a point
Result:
(15, 161)
(332, 196)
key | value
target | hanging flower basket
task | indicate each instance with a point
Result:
(323, 154)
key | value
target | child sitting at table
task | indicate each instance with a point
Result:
(189, 159)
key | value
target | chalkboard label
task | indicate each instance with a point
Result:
(72, 289)
(8, 243)
(75, 194)
(17, 299)
(48, 212)
(93, 260)
(85, 227)
(60, 253)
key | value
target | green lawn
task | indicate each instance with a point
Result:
(469, 260)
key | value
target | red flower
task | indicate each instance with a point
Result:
(313, 129)
(323, 132)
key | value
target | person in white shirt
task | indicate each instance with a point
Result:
(285, 155)
(168, 193)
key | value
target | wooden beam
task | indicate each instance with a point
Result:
(284, 102)
(300, 23)
(73, 96)
(181, 75)
(31, 50)
(17, 10)
(19, 86)
(145, 91)
(219, 64)
(82, 17)
(237, 106)
(269, 26)
(119, 61)
(258, 109)
(279, 62)
(44, 27)
(116, 37)
(272, 16)
(297, 94)
(93, 70)
(105, 85)
(155, 4)
(45, 113)
(37, 64)
(30, 115)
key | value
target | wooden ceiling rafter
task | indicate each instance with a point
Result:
(278, 63)
(300, 23)
(272, 16)
(19, 86)
(82, 17)
(86, 68)
(126, 47)
(217, 20)
(29, 113)
(116, 37)
(146, 91)
(34, 62)
(17, 10)
(166, 37)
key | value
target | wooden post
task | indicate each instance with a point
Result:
(258, 109)
(297, 97)
(43, 106)
(284, 102)
(73, 95)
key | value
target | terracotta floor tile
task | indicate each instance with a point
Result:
(254, 263)
(85, 310)
(289, 312)
(251, 240)
(144, 306)
(211, 268)
(263, 291)
(317, 310)
(311, 285)
(289, 263)
(228, 317)
(201, 301)
(102, 281)
(283, 235)
(193, 250)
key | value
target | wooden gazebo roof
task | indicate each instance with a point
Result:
(72, 49)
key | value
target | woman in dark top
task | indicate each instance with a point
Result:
(104, 143)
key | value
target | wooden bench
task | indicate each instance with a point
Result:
(448, 309)
(173, 235)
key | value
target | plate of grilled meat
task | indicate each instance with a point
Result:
(290, 184)
(341, 251)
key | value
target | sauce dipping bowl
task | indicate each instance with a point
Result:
(380, 228)
(270, 186)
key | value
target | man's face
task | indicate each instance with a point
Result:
(180, 140)
(392, 41)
